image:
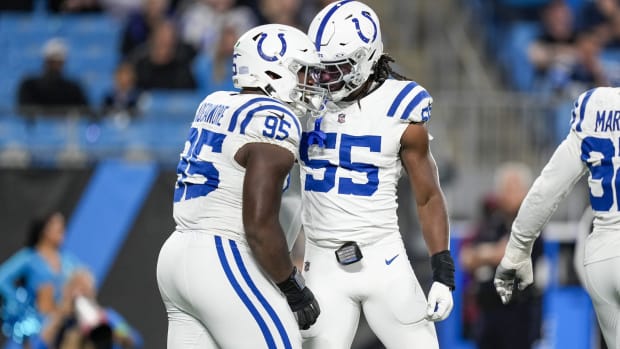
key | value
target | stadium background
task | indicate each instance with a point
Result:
(113, 175)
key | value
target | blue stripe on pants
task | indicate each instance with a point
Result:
(261, 298)
(244, 298)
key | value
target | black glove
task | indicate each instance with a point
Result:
(300, 299)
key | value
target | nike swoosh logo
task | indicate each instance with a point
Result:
(389, 261)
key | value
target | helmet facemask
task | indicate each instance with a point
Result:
(343, 77)
(307, 95)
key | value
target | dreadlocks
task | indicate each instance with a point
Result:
(383, 70)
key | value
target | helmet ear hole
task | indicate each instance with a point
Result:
(273, 75)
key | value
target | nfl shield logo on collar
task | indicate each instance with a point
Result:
(341, 118)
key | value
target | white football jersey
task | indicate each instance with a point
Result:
(592, 146)
(349, 183)
(209, 185)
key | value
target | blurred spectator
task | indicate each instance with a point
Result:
(555, 48)
(16, 5)
(163, 62)
(597, 16)
(220, 71)
(31, 281)
(498, 326)
(202, 22)
(140, 24)
(124, 98)
(614, 23)
(564, 60)
(51, 92)
(121, 9)
(588, 72)
(282, 12)
(516, 10)
(80, 322)
(73, 6)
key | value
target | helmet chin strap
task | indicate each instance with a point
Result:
(360, 92)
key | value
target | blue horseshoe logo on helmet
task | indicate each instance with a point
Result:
(359, 30)
(265, 56)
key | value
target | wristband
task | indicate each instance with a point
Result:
(443, 268)
(295, 282)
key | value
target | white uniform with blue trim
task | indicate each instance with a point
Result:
(215, 294)
(592, 146)
(349, 194)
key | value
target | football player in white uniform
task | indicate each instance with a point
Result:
(351, 160)
(218, 272)
(592, 146)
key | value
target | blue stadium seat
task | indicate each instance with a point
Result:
(13, 132)
(171, 105)
(22, 23)
(49, 134)
(89, 25)
(8, 90)
(95, 79)
(201, 67)
(513, 54)
(105, 138)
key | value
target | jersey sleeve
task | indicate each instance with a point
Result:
(271, 123)
(412, 103)
(556, 180)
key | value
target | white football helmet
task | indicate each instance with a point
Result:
(347, 36)
(282, 62)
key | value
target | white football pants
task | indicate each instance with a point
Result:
(217, 297)
(382, 285)
(603, 285)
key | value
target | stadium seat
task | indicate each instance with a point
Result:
(513, 54)
(51, 134)
(171, 105)
(13, 131)
(14, 140)
(104, 139)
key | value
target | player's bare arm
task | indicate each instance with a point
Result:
(267, 166)
(422, 171)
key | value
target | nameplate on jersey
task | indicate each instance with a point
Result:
(607, 121)
(349, 253)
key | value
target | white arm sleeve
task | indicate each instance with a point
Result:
(555, 181)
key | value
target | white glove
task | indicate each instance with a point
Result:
(515, 265)
(506, 274)
(440, 302)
